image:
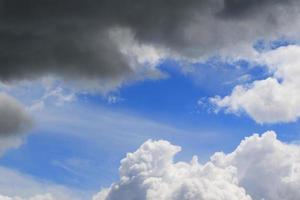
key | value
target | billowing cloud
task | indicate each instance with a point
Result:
(150, 173)
(266, 167)
(112, 41)
(274, 99)
(261, 167)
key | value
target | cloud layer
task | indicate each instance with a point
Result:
(261, 167)
(274, 99)
(112, 41)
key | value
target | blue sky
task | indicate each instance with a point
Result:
(80, 143)
(95, 95)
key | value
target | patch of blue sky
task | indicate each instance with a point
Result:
(83, 141)
(180, 92)
(101, 138)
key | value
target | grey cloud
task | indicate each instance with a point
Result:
(14, 122)
(72, 39)
(14, 119)
(242, 7)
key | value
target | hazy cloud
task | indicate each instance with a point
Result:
(14, 119)
(36, 197)
(18, 186)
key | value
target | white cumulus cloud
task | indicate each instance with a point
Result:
(266, 167)
(274, 99)
(261, 167)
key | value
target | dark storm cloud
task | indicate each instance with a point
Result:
(249, 7)
(71, 38)
(61, 37)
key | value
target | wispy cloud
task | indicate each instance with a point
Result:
(14, 183)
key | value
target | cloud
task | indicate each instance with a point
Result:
(14, 122)
(261, 167)
(233, 8)
(18, 186)
(14, 118)
(266, 167)
(150, 173)
(274, 99)
(111, 42)
(10, 142)
(36, 197)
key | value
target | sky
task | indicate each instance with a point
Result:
(147, 100)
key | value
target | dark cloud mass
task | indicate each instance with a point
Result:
(240, 7)
(72, 38)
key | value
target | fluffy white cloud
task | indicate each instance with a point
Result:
(261, 167)
(274, 99)
(267, 168)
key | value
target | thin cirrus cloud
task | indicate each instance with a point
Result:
(261, 167)
(274, 99)
(36, 197)
(15, 185)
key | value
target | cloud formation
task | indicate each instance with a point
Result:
(113, 40)
(14, 119)
(274, 99)
(36, 197)
(15, 185)
(14, 122)
(261, 167)
(266, 167)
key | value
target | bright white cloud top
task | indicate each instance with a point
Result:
(274, 99)
(261, 167)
